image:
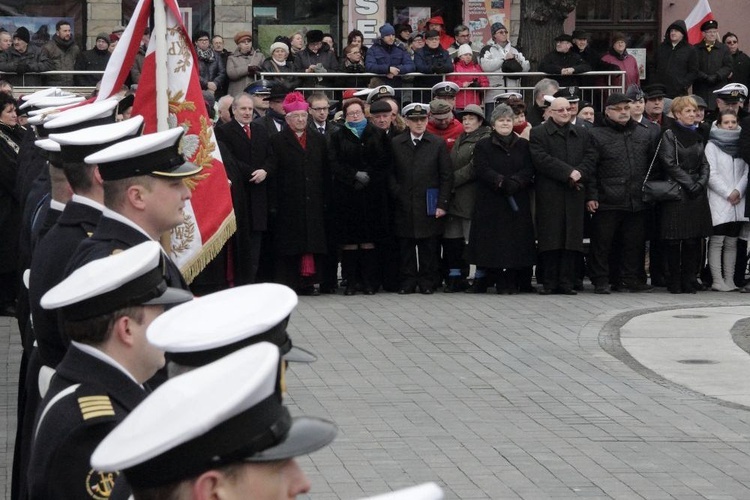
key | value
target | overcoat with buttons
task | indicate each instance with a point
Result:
(415, 170)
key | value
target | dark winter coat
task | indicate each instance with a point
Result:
(676, 67)
(91, 60)
(740, 68)
(10, 208)
(346, 66)
(250, 155)
(432, 61)
(306, 58)
(623, 154)
(714, 68)
(302, 193)
(745, 151)
(381, 56)
(63, 55)
(554, 62)
(270, 66)
(689, 217)
(415, 170)
(501, 236)
(556, 152)
(32, 60)
(361, 211)
(464, 173)
(211, 71)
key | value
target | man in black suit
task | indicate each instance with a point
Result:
(100, 379)
(247, 142)
(273, 119)
(144, 196)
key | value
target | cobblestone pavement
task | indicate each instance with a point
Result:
(495, 397)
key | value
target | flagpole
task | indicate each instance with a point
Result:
(160, 55)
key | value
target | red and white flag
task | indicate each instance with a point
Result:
(209, 216)
(699, 15)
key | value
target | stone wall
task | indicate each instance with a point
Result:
(102, 17)
(231, 16)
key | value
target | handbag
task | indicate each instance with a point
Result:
(666, 190)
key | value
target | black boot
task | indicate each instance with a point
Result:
(673, 267)
(349, 270)
(478, 286)
(369, 265)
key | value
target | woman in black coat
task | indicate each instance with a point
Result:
(10, 210)
(359, 159)
(502, 231)
(685, 222)
(353, 61)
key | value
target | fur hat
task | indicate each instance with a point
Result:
(279, 45)
(295, 101)
(465, 48)
(314, 36)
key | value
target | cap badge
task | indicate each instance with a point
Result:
(99, 485)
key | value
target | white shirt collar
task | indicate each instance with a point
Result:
(415, 138)
(104, 357)
(56, 205)
(83, 200)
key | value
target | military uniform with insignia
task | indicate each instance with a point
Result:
(100, 379)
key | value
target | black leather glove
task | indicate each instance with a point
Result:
(358, 186)
(695, 190)
(251, 70)
(474, 83)
(22, 68)
(712, 79)
(510, 186)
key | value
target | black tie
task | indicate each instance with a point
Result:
(416, 142)
(322, 130)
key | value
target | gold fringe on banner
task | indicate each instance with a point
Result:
(210, 249)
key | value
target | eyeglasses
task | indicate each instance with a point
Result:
(297, 116)
(504, 32)
(731, 42)
(320, 108)
(354, 114)
(203, 39)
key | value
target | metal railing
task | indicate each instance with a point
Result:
(597, 85)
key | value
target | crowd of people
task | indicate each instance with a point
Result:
(404, 198)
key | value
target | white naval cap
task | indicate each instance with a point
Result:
(226, 412)
(732, 91)
(445, 89)
(415, 110)
(380, 92)
(129, 278)
(505, 96)
(220, 323)
(158, 154)
(50, 151)
(88, 115)
(49, 91)
(78, 144)
(362, 94)
(424, 491)
(52, 101)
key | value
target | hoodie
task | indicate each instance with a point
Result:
(676, 66)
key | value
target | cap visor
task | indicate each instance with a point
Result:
(299, 355)
(171, 296)
(187, 169)
(306, 436)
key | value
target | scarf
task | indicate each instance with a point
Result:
(726, 140)
(520, 127)
(279, 63)
(205, 55)
(357, 127)
(687, 136)
(617, 55)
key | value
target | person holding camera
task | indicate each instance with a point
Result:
(468, 83)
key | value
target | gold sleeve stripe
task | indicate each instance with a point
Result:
(95, 406)
(95, 414)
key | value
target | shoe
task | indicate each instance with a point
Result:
(567, 291)
(350, 290)
(310, 291)
(369, 290)
(503, 291)
(405, 291)
(674, 289)
(527, 289)
(426, 291)
(478, 286)
(451, 284)
(8, 310)
(601, 290)
(578, 287)
(745, 289)
(639, 287)
(658, 281)
(545, 291)
(689, 288)
(328, 290)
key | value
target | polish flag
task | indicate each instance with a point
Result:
(209, 219)
(699, 15)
